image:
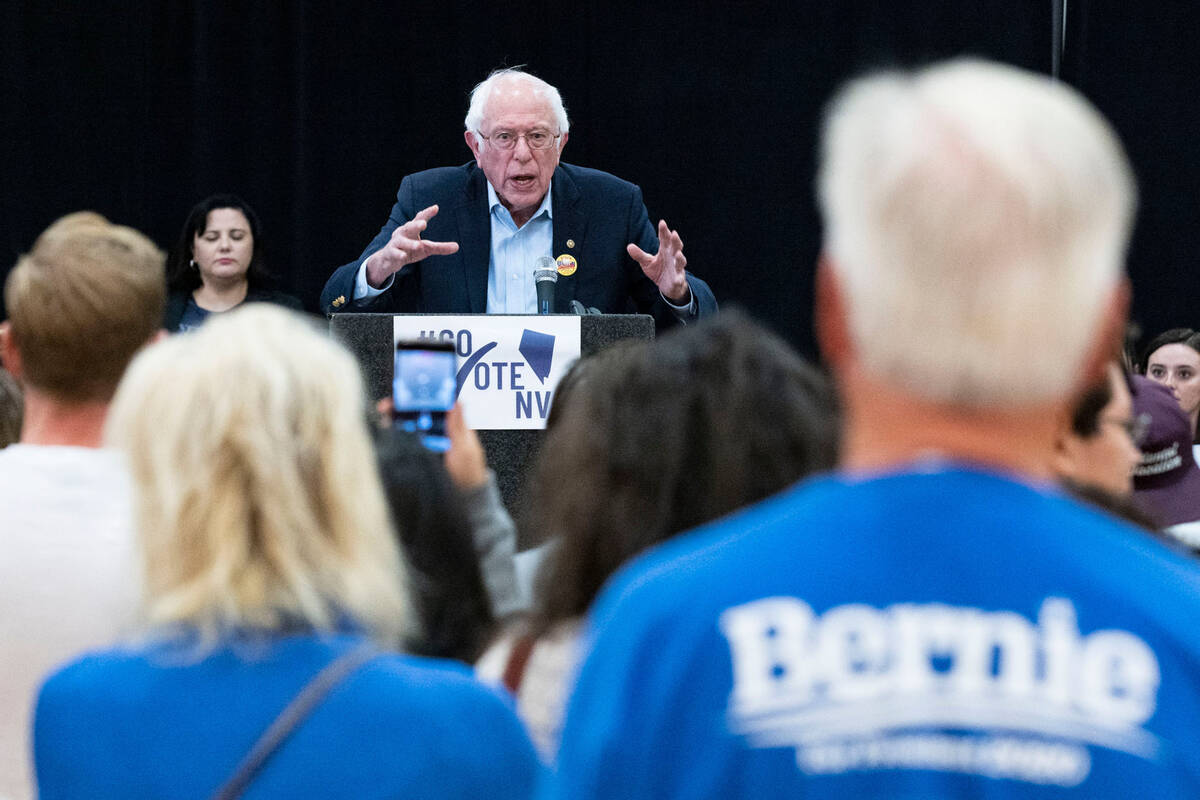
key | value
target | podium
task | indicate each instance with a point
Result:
(510, 453)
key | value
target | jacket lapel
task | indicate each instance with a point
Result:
(475, 239)
(570, 230)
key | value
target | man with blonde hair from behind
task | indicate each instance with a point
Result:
(937, 620)
(81, 303)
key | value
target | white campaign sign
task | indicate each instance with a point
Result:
(508, 365)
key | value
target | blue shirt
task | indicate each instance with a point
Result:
(945, 634)
(154, 723)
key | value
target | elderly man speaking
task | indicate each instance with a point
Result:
(466, 239)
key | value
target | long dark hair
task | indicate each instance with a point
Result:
(181, 276)
(665, 437)
(435, 538)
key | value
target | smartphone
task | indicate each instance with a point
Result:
(423, 387)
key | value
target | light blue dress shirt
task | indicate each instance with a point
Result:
(514, 251)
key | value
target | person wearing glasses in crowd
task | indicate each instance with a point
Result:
(1099, 448)
(465, 239)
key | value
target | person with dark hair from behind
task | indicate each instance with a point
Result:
(1097, 450)
(1101, 446)
(275, 595)
(935, 620)
(12, 408)
(456, 537)
(218, 264)
(656, 438)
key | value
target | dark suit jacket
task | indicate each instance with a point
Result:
(594, 216)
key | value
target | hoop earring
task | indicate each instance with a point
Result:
(192, 263)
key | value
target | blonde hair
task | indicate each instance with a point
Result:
(81, 303)
(259, 504)
(975, 214)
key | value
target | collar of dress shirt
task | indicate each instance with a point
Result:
(494, 200)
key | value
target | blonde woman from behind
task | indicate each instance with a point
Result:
(268, 560)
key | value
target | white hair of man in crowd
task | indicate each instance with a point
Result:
(966, 314)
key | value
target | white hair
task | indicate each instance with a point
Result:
(977, 217)
(259, 503)
(482, 93)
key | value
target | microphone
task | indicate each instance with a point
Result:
(545, 275)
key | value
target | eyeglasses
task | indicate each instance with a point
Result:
(1136, 428)
(507, 140)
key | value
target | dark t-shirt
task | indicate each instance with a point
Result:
(193, 316)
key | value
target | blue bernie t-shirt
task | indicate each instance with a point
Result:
(938, 634)
(154, 723)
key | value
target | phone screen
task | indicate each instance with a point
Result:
(423, 390)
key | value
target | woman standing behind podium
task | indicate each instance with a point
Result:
(217, 264)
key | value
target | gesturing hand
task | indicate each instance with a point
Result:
(405, 247)
(666, 267)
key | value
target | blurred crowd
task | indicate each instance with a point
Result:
(226, 573)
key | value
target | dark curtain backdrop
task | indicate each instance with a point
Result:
(315, 111)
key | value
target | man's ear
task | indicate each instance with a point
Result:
(10, 355)
(472, 142)
(832, 324)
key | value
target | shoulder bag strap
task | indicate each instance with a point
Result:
(290, 718)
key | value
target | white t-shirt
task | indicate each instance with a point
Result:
(546, 683)
(68, 578)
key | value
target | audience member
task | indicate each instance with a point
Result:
(84, 299)
(937, 620)
(1173, 359)
(218, 264)
(1099, 449)
(270, 572)
(657, 439)
(446, 535)
(529, 560)
(1167, 481)
(12, 408)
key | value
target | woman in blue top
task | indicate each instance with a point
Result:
(267, 555)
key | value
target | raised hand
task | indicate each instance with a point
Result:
(667, 267)
(465, 460)
(405, 247)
